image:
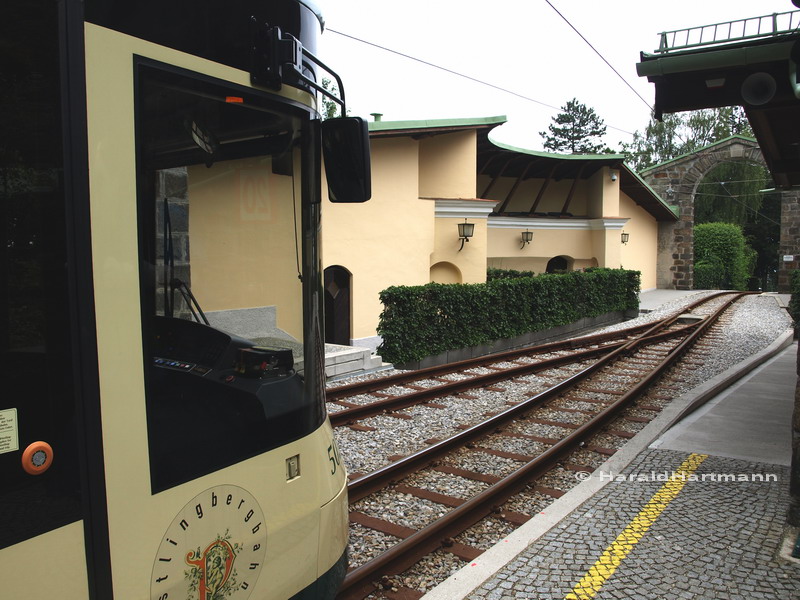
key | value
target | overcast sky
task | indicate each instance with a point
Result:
(520, 45)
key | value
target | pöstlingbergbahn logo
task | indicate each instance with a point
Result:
(214, 548)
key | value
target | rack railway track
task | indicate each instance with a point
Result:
(585, 406)
(515, 363)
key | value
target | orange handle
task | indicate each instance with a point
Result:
(37, 458)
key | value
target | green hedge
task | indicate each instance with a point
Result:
(721, 244)
(709, 273)
(794, 303)
(493, 274)
(430, 319)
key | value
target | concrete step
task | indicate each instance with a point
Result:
(346, 360)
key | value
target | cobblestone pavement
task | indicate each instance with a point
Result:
(714, 540)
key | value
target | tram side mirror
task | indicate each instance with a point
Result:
(345, 148)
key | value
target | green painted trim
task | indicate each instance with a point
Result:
(436, 123)
(556, 156)
(715, 58)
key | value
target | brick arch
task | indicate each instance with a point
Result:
(676, 181)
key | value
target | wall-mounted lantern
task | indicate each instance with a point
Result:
(465, 231)
(625, 237)
(527, 236)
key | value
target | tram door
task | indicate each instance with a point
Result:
(38, 415)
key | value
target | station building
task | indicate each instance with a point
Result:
(528, 211)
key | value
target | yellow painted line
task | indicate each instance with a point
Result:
(613, 556)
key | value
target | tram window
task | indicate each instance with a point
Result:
(37, 401)
(220, 233)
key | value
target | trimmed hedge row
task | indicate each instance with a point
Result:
(722, 257)
(426, 320)
(493, 274)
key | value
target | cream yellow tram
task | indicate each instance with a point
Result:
(163, 432)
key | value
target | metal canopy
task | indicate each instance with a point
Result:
(758, 74)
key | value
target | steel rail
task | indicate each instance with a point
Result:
(349, 415)
(364, 387)
(404, 554)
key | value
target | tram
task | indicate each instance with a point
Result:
(163, 432)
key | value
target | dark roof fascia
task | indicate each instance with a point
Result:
(637, 189)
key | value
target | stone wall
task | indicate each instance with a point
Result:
(172, 186)
(790, 239)
(676, 182)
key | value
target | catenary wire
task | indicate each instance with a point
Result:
(457, 74)
(600, 55)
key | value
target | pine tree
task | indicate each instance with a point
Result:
(576, 129)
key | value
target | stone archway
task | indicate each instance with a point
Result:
(676, 181)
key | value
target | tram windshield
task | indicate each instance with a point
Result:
(221, 230)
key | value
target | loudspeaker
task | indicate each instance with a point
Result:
(759, 88)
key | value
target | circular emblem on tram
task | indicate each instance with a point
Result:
(214, 548)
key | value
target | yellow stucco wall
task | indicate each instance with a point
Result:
(584, 247)
(471, 259)
(446, 272)
(240, 215)
(641, 252)
(546, 243)
(403, 236)
(447, 165)
(385, 241)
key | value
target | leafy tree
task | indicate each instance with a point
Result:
(576, 129)
(730, 193)
(682, 133)
(330, 109)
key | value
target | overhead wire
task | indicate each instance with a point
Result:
(596, 51)
(441, 68)
(458, 74)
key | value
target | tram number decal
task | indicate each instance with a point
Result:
(333, 456)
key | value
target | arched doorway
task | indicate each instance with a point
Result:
(559, 264)
(337, 305)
